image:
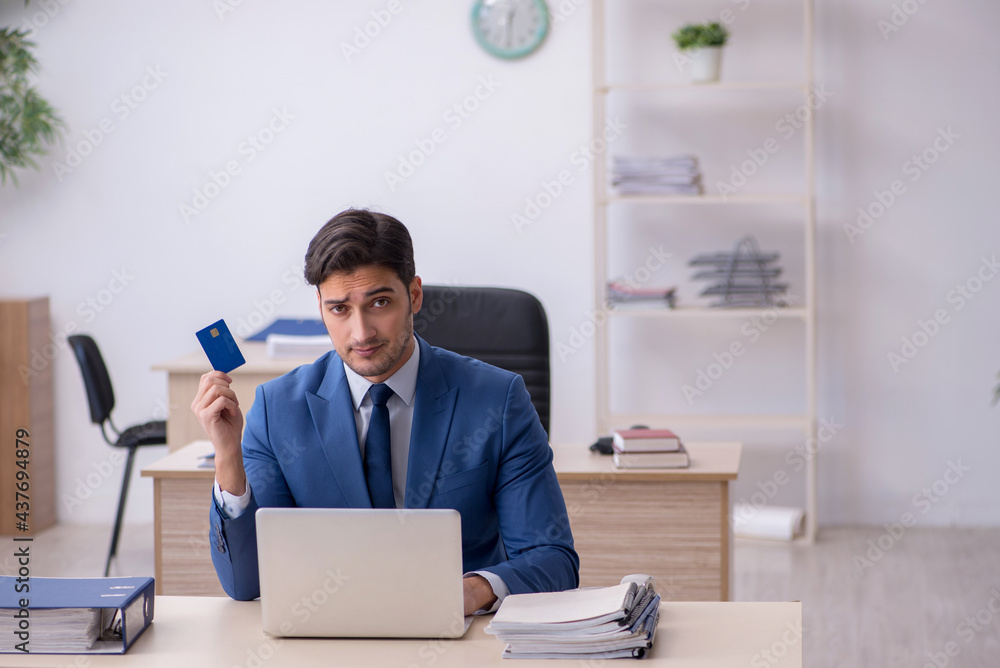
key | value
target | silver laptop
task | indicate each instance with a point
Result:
(360, 573)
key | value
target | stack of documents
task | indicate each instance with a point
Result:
(597, 623)
(620, 292)
(677, 175)
(54, 630)
(290, 345)
(73, 615)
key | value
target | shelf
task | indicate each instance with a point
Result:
(703, 199)
(800, 422)
(718, 85)
(729, 97)
(707, 312)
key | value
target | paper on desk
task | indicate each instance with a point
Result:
(285, 345)
(564, 607)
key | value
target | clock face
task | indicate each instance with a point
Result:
(510, 28)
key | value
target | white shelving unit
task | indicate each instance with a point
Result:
(804, 423)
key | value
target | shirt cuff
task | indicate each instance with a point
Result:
(499, 590)
(232, 505)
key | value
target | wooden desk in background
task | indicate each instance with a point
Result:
(185, 372)
(670, 523)
(195, 632)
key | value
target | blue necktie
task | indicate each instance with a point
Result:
(378, 464)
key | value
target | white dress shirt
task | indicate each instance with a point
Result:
(403, 383)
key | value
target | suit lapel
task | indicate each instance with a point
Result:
(434, 406)
(333, 416)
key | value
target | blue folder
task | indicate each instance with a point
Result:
(126, 605)
(291, 326)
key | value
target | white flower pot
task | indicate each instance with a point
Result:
(705, 64)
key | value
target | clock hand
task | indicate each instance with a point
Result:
(509, 22)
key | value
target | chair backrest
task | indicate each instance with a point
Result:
(500, 326)
(100, 396)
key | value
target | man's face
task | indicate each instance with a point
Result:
(369, 315)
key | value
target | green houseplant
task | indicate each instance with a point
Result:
(701, 45)
(28, 123)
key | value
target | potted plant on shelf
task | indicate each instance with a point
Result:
(701, 45)
(27, 121)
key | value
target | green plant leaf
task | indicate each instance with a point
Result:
(28, 123)
(700, 35)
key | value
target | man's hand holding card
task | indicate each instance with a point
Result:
(218, 409)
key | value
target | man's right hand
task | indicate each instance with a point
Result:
(218, 411)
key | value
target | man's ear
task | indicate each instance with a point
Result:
(319, 302)
(416, 294)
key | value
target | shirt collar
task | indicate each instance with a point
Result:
(403, 382)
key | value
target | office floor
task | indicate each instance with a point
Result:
(869, 598)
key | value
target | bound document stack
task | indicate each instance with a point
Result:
(73, 615)
(677, 175)
(598, 623)
(648, 449)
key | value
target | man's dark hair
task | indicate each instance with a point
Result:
(356, 238)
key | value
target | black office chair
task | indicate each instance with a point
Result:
(101, 398)
(500, 326)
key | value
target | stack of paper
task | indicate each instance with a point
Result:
(598, 623)
(677, 175)
(289, 345)
(53, 630)
(623, 292)
(73, 615)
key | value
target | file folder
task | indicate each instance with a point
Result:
(46, 615)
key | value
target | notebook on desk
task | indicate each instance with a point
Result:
(360, 573)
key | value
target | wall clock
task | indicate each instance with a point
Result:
(510, 28)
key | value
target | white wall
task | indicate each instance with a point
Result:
(349, 122)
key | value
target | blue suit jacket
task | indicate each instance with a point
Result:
(476, 446)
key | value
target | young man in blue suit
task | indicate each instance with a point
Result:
(388, 421)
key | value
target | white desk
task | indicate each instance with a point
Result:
(197, 631)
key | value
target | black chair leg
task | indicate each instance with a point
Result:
(121, 511)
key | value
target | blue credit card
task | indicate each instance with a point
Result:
(220, 346)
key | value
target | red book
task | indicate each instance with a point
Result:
(646, 440)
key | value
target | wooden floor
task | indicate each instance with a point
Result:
(869, 598)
